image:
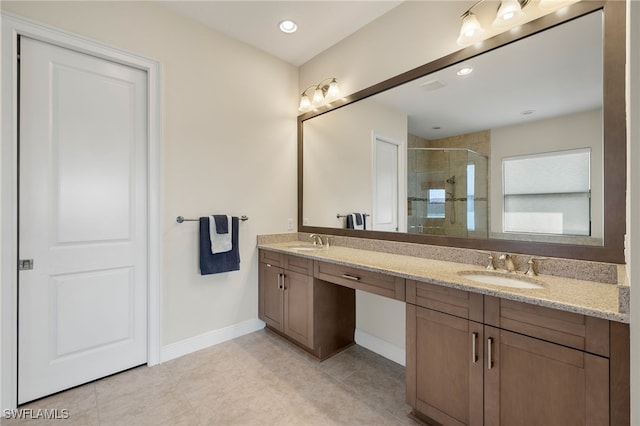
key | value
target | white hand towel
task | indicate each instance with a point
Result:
(220, 243)
(354, 217)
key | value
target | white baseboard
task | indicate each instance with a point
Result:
(211, 338)
(381, 347)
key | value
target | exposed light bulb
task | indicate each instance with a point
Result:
(471, 31)
(509, 13)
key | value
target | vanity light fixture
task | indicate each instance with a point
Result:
(288, 26)
(325, 91)
(509, 13)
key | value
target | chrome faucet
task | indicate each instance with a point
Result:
(317, 240)
(509, 266)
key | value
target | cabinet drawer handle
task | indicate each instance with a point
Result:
(351, 277)
(268, 265)
(474, 342)
(489, 353)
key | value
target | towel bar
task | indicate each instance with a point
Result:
(181, 219)
(345, 215)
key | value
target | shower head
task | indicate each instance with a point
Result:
(451, 180)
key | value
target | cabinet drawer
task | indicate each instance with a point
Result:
(272, 258)
(566, 328)
(298, 264)
(359, 279)
(451, 301)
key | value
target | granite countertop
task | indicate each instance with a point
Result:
(590, 298)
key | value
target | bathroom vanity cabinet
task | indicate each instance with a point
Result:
(474, 359)
(317, 315)
(471, 358)
(286, 296)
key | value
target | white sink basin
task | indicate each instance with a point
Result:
(306, 247)
(501, 279)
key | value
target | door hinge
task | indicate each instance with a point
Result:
(25, 264)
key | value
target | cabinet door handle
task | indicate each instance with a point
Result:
(351, 277)
(474, 342)
(280, 282)
(489, 353)
(284, 287)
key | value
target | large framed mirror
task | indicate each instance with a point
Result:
(526, 153)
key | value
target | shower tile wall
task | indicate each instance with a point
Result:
(435, 169)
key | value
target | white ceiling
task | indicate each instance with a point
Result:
(321, 24)
(553, 73)
(567, 58)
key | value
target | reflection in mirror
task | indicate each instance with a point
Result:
(449, 133)
(448, 192)
(548, 193)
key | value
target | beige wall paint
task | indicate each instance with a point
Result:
(229, 146)
(338, 158)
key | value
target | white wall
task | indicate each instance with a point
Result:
(338, 152)
(229, 146)
(573, 131)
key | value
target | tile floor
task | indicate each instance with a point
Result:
(257, 379)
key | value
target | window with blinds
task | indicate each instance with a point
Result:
(548, 193)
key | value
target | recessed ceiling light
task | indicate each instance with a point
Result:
(288, 26)
(464, 71)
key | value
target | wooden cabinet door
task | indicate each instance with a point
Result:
(536, 383)
(271, 298)
(298, 307)
(444, 371)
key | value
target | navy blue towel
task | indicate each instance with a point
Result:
(222, 224)
(361, 219)
(220, 262)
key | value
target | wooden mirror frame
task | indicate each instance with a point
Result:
(614, 135)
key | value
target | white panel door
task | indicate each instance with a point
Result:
(83, 210)
(385, 186)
